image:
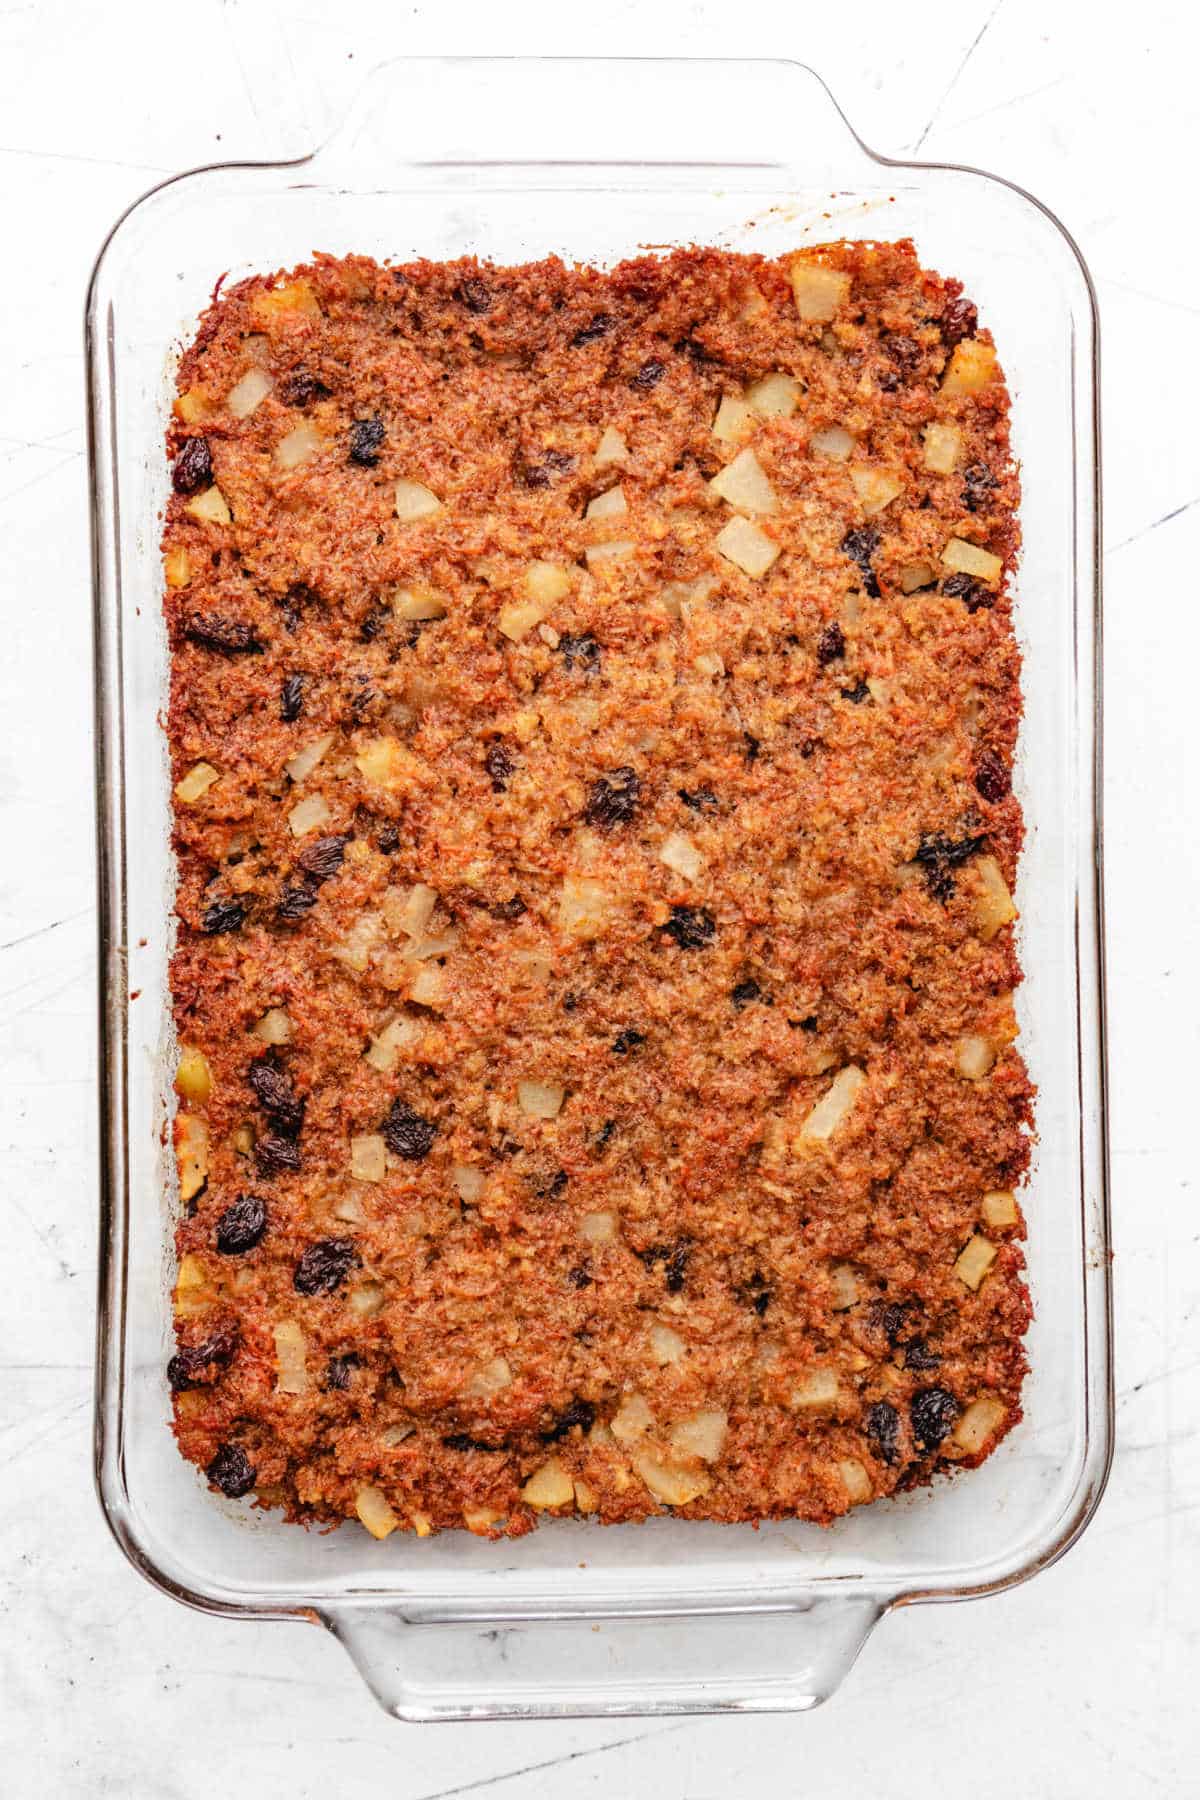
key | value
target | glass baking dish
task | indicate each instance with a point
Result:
(512, 160)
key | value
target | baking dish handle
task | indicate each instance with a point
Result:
(780, 1661)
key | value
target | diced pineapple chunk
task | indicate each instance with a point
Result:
(248, 393)
(518, 617)
(834, 1106)
(679, 853)
(833, 442)
(540, 1099)
(974, 1260)
(876, 488)
(551, 1485)
(418, 603)
(194, 406)
(973, 1057)
(415, 501)
(298, 767)
(368, 1157)
(362, 938)
(490, 1379)
(972, 366)
(632, 1420)
(671, 1483)
(482, 1520)
(943, 447)
(818, 290)
(819, 1387)
(177, 567)
(191, 1152)
(612, 448)
(275, 1027)
(468, 1182)
(666, 1345)
(855, 1480)
(744, 484)
(586, 1497)
(292, 300)
(734, 419)
(701, 1434)
(385, 1048)
(747, 547)
(584, 908)
(429, 986)
(291, 1353)
(300, 445)
(999, 1208)
(977, 1424)
(196, 782)
(598, 1227)
(375, 1513)
(546, 582)
(366, 1300)
(970, 559)
(845, 1287)
(210, 507)
(421, 1523)
(193, 1077)
(384, 762)
(774, 396)
(309, 814)
(192, 1292)
(914, 576)
(993, 903)
(609, 505)
(612, 550)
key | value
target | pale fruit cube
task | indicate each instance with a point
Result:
(734, 419)
(973, 1057)
(291, 1358)
(482, 1520)
(747, 547)
(818, 290)
(612, 448)
(540, 1099)
(386, 1047)
(680, 854)
(876, 488)
(671, 1483)
(366, 1300)
(666, 1346)
(610, 505)
(855, 1480)
(518, 618)
(584, 908)
(193, 1077)
(632, 1420)
(943, 447)
(774, 396)
(701, 1434)
(194, 406)
(819, 1387)
(368, 1157)
(977, 1424)
(419, 603)
(275, 1027)
(744, 484)
(196, 782)
(291, 301)
(415, 501)
(468, 1182)
(598, 1227)
(210, 507)
(546, 582)
(845, 1287)
(993, 903)
(490, 1379)
(192, 1292)
(429, 986)
(248, 393)
(191, 1149)
(384, 762)
(551, 1485)
(586, 1497)
(974, 1260)
(298, 767)
(177, 567)
(612, 550)
(914, 576)
(999, 1208)
(309, 814)
(972, 366)
(833, 442)
(361, 939)
(834, 1106)
(375, 1513)
(970, 559)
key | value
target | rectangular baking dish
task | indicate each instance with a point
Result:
(511, 160)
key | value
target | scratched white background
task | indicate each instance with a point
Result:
(1083, 1683)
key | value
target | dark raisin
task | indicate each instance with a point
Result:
(462, 1440)
(228, 637)
(860, 545)
(604, 1135)
(581, 1275)
(933, 1411)
(959, 320)
(918, 1355)
(291, 698)
(223, 916)
(570, 1002)
(294, 902)
(388, 841)
(273, 1091)
(508, 909)
(323, 857)
(558, 1185)
(809, 1024)
(972, 594)
(362, 695)
(474, 294)
(940, 856)
(762, 1300)
(580, 1413)
(293, 604)
(274, 1154)
(627, 1040)
(745, 994)
(375, 622)
(992, 777)
(831, 644)
(614, 798)
(649, 375)
(241, 1225)
(856, 694)
(673, 1260)
(193, 466)
(809, 747)
(891, 1317)
(693, 348)
(752, 746)
(883, 1430)
(888, 380)
(692, 927)
(189, 1367)
(366, 437)
(232, 1471)
(978, 481)
(904, 351)
(407, 1133)
(703, 800)
(324, 1266)
(301, 389)
(579, 650)
(600, 327)
(501, 765)
(339, 1369)
(550, 465)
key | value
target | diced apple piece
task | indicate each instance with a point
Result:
(973, 1057)
(375, 1513)
(291, 300)
(701, 1434)
(298, 767)
(876, 488)
(774, 396)
(679, 853)
(833, 442)
(411, 911)
(747, 547)
(540, 1099)
(291, 1358)
(177, 567)
(468, 1182)
(632, 1420)
(518, 617)
(586, 1497)
(415, 501)
(192, 1291)
(855, 1480)
(196, 782)
(977, 1424)
(834, 1106)
(551, 1485)
(999, 1208)
(191, 1149)
(368, 1157)
(972, 366)
(598, 1227)
(349, 1208)
(429, 986)
(943, 447)
(248, 393)
(546, 582)
(309, 814)
(482, 1520)
(819, 1387)
(671, 1483)
(743, 483)
(210, 507)
(384, 762)
(974, 1260)
(970, 559)
(845, 1287)
(914, 576)
(366, 1300)
(993, 903)
(666, 1346)
(194, 406)
(418, 603)
(818, 290)
(363, 937)
(584, 908)
(490, 1379)
(385, 1048)
(300, 445)
(275, 1027)
(612, 448)
(734, 419)
(609, 505)
(193, 1077)
(612, 550)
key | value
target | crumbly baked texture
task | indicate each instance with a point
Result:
(593, 703)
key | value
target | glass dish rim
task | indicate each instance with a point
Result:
(113, 999)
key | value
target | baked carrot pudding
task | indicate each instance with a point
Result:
(593, 703)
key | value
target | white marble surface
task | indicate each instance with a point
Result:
(1082, 1683)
